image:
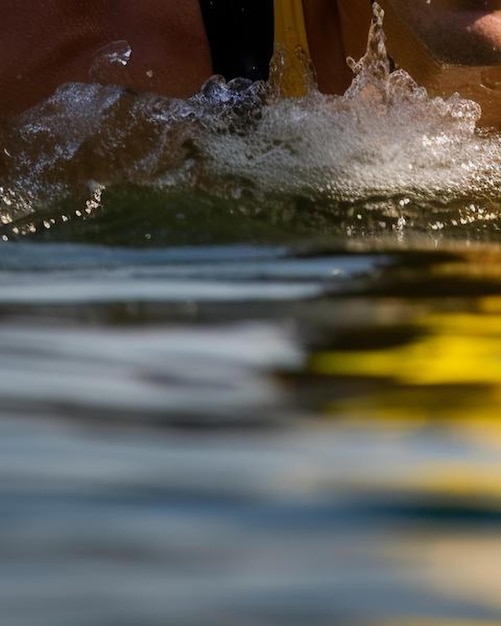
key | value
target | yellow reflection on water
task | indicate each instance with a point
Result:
(451, 371)
(422, 378)
(448, 377)
(455, 348)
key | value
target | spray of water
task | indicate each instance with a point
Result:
(384, 147)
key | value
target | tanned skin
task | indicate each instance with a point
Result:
(47, 43)
(457, 31)
(326, 45)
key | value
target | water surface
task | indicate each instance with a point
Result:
(250, 358)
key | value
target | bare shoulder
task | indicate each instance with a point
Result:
(455, 31)
(170, 52)
(45, 44)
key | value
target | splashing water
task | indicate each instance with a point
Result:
(385, 144)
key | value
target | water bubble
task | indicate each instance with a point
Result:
(109, 58)
(384, 145)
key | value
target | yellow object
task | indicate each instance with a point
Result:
(291, 49)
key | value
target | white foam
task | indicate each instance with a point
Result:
(385, 143)
(384, 137)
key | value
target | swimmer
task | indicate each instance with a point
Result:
(171, 47)
(450, 46)
(447, 46)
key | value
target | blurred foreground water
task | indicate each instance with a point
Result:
(249, 435)
(250, 359)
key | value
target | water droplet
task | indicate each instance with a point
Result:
(109, 59)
